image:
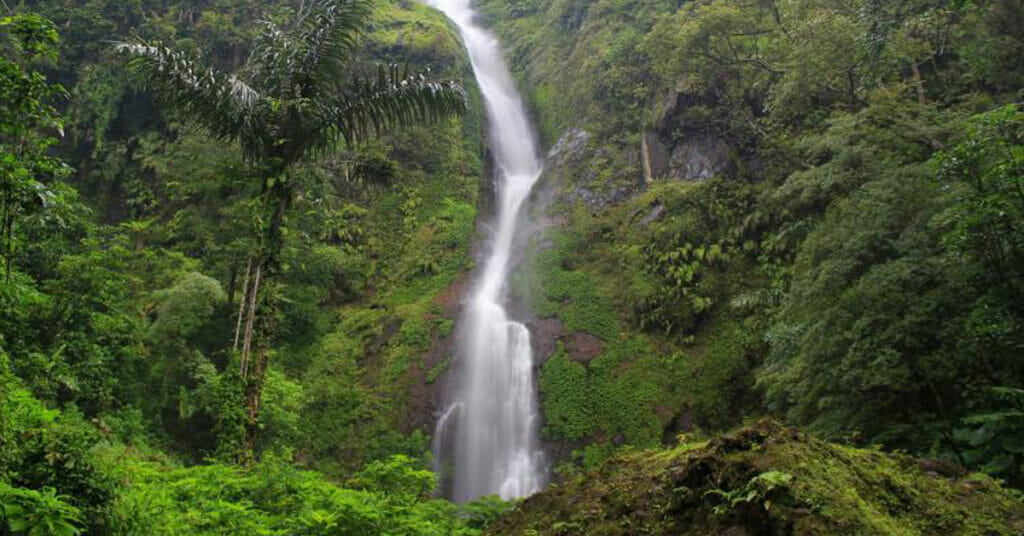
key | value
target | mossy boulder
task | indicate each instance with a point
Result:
(767, 479)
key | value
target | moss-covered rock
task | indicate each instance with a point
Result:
(767, 479)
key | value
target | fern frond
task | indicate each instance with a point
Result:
(758, 299)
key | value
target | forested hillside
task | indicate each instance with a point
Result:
(805, 209)
(127, 233)
(236, 234)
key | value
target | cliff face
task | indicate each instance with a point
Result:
(624, 157)
(766, 208)
(768, 480)
(585, 70)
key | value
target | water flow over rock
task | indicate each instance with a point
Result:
(489, 432)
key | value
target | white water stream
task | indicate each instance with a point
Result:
(489, 431)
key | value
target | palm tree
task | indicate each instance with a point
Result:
(295, 98)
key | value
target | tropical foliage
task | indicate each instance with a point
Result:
(301, 101)
(238, 231)
(850, 263)
(119, 303)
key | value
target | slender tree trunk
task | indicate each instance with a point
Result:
(918, 83)
(250, 322)
(257, 307)
(232, 285)
(253, 399)
(242, 303)
(7, 232)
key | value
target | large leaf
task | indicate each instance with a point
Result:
(394, 97)
(222, 104)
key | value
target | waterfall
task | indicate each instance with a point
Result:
(489, 431)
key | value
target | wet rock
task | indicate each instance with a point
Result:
(657, 210)
(545, 333)
(942, 468)
(654, 157)
(595, 199)
(700, 157)
(570, 143)
(585, 195)
(583, 347)
(620, 194)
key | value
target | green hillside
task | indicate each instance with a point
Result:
(236, 236)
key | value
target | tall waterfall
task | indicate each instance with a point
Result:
(489, 431)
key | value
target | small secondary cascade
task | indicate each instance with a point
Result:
(489, 431)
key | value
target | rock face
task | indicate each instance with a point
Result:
(577, 170)
(680, 150)
(652, 152)
(569, 145)
(582, 347)
(675, 148)
(545, 333)
(426, 397)
(700, 157)
(766, 480)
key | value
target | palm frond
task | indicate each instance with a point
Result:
(221, 104)
(393, 98)
(329, 31)
(275, 54)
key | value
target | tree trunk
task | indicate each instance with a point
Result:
(250, 322)
(253, 399)
(257, 306)
(918, 83)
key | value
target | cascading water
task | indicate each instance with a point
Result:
(489, 432)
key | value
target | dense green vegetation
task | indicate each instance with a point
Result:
(127, 233)
(227, 301)
(849, 259)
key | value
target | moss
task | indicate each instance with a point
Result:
(627, 384)
(430, 261)
(413, 337)
(629, 393)
(554, 288)
(436, 253)
(767, 479)
(594, 454)
(599, 273)
(717, 371)
(563, 386)
(579, 61)
(613, 401)
(420, 30)
(434, 373)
